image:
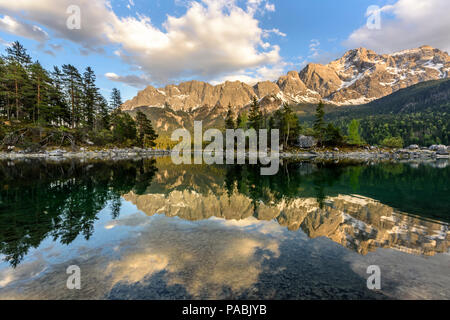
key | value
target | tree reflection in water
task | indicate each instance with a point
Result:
(40, 200)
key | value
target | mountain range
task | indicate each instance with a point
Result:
(359, 77)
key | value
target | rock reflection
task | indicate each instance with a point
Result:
(217, 232)
(357, 223)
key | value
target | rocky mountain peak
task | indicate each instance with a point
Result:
(267, 88)
(359, 76)
(291, 83)
(321, 79)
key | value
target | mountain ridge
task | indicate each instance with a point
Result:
(430, 95)
(358, 77)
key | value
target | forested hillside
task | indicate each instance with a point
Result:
(418, 115)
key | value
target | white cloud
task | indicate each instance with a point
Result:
(14, 26)
(270, 7)
(253, 5)
(264, 73)
(314, 48)
(317, 55)
(274, 31)
(56, 47)
(130, 4)
(414, 23)
(212, 39)
(131, 80)
(260, 6)
(4, 43)
(96, 16)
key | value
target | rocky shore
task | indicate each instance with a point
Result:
(314, 154)
(108, 154)
(372, 153)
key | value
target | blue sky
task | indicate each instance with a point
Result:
(132, 43)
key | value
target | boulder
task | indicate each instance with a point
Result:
(306, 142)
(437, 147)
(56, 153)
(413, 147)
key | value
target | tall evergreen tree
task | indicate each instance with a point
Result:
(18, 62)
(41, 82)
(242, 120)
(90, 96)
(333, 136)
(255, 118)
(60, 107)
(116, 99)
(319, 123)
(287, 122)
(4, 94)
(123, 126)
(353, 133)
(290, 127)
(102, 119)
(73, 87)
(145, 133)
(229, 121)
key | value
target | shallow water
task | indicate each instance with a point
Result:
(153, 230)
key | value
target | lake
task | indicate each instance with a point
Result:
(150, 229)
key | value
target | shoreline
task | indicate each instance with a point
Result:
(379, 154)
(107, 154)
(421, 155)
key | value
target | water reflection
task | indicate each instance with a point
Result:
(358, 223)
(222, 231)
(61, 201)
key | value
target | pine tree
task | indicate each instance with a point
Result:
(123, 127)
(272, 123)
(145, 133)
(353, 133)
(319, 123)
(18, 61)
(90, 96)
(242, 120)
(4, 94)
(333, 136)
(60, 97)
(255, 118)
(116, 99)
(102, 119)
(41, 82)
(60, 108)
(229, 121)
(290, 125)
(73, 86)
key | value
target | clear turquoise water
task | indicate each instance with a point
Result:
(153, 230)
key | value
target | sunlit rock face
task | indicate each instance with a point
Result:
(358, 77)
(357, 223)
(367, 76)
